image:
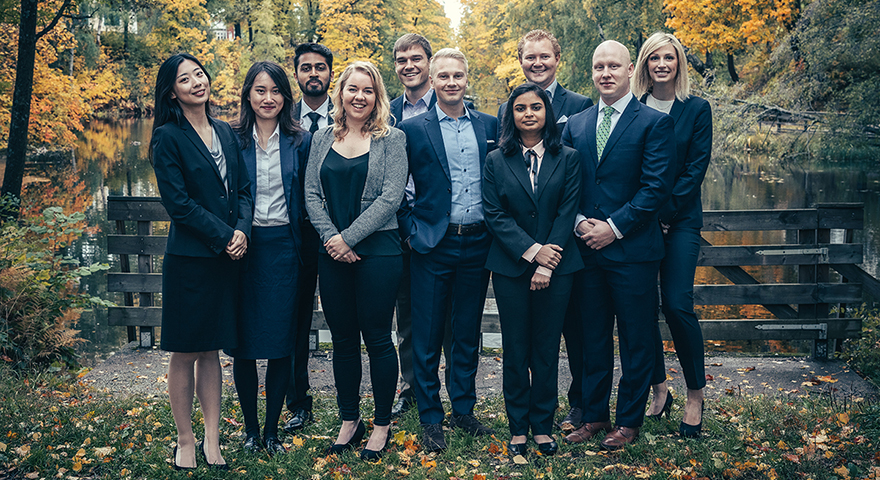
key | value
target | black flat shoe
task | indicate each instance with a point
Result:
(375, 455)
(353, 442)
(667, 408)
(692, 431)
(515, 449)
(252, 444)
(550, 448)
(215, 466)
(301, 417)
(274, 446)
(174, 461)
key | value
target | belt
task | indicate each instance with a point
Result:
(470, 229)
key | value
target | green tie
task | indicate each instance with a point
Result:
(604, 130)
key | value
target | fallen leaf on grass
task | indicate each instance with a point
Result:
(842, 471)
(520, 460)
(791, 458)
(746, 369)
(826, 379)
(232, 421)
(843, 418)
(474, 463)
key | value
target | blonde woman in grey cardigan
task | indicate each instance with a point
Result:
(354, 184)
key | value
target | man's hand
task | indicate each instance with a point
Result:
(237, 246)
(584, 228)
(539, 282)
(549, 256)
(600, 236)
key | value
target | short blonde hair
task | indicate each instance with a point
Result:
(448, 53)
(641, 81)
(377, 125)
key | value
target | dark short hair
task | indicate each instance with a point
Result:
(311, 47)
(510, 142)
(409, 40)
(537, 36)
(244, 127)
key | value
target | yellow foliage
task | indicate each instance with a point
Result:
(728, 25)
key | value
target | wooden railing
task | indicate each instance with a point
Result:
(802, 310)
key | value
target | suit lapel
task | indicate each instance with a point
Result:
(592, 147)
(250, 162)
(517, 164)
(196, 140)
(559, 101)
(432, 128)
(287, 152)
(677, 110)
(480, 132)
(549, 164)
(629, 114)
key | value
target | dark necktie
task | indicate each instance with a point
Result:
(532, 167)
(313, 116)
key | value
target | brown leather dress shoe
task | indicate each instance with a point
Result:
(587, 431)
(618, 437)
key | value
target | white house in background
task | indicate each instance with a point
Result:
(113, 23)
(222, 32)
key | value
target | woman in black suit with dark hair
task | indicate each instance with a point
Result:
(661, 82)
(531, 189)
(275, 150)
(205, 189)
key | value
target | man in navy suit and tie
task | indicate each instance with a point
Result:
(627, 157)
(445, 229)
(314, 72)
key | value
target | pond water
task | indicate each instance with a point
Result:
(111, 159)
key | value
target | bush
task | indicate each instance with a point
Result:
(863, 353)
(40, 300)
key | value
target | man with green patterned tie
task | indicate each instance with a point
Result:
(627, 155)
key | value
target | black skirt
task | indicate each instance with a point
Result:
(200, 298)
(267, 319)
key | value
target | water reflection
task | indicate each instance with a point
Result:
(111, 159)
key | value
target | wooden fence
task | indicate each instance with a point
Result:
(803, 310)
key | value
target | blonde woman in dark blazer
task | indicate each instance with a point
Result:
(355, 178)
(531, 189)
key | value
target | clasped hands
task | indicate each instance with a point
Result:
(339, 250)
(237, 246)
(597, 234)
(548, 256)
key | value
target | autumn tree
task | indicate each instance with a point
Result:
(729, 26)
(266, 44)
(353, 30)
(180, 26)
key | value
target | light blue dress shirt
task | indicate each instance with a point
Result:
(463, 156)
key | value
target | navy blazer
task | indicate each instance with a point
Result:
(519, 217)
(693, 141)
(565, 104)
(294, 152)
(425, 222)
(631, 181)
(204, 211)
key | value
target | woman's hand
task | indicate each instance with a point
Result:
(237, 247)
(549, 256)
(539, 282)
(339, 250)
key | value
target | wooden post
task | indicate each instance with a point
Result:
(807, 274)
(125, 267)
(145, 265)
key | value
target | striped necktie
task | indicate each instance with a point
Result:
(604, 130)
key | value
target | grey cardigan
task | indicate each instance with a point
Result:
(383, 189)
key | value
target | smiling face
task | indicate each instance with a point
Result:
(539, 62)
(411, 66)
(191, 88)
(663, 64)
(265, 98)
(612, 70)
(358, 97)
(449, 78)
(529, 113)
(313, 75)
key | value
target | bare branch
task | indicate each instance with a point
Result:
(54, 21)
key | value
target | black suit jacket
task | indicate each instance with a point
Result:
(631, 181)
(693, 142)
(519, 217)
(204, 211)
(565, 104)
(425, 222)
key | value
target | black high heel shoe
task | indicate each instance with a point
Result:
(375, 455)
(174, 461)
(692, 431)
(353, 442)
(667, 408)
(215, 466)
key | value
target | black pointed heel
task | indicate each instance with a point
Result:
(215, 466)
(353, 442)
(692, 431)
(667, 408)
(375, 455)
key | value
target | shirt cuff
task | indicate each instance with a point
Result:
(544, 271)
(614, 229)
(532, 252)
(577, 221)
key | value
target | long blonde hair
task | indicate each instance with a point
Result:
(377, 125)
(641, 81)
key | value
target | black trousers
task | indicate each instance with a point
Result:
(531, 326)
(298, 387)
(358, 300)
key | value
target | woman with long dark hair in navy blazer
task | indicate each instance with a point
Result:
(354, 185)
(661, 82)
(205, 189)
(275, 151)
(531, 189)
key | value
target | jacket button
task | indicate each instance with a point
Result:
(222, 196)
(532, 214)
(596, 206)
(598, 181)
(447, 214)
(449, 190)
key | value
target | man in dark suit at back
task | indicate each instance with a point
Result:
(445, 228)
(539, 52)
(412, 58)
(314, 71)
(627, 156)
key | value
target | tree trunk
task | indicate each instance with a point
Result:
(731, 69)
(237, 29)
(126, 14)
(21, 105)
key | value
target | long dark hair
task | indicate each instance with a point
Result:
(510, 142)
(247, 117)
(168, 109)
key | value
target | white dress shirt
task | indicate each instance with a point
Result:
(323, 111)
(270, 205)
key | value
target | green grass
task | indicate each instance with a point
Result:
(52, 427)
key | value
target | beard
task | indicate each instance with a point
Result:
(313, 88)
